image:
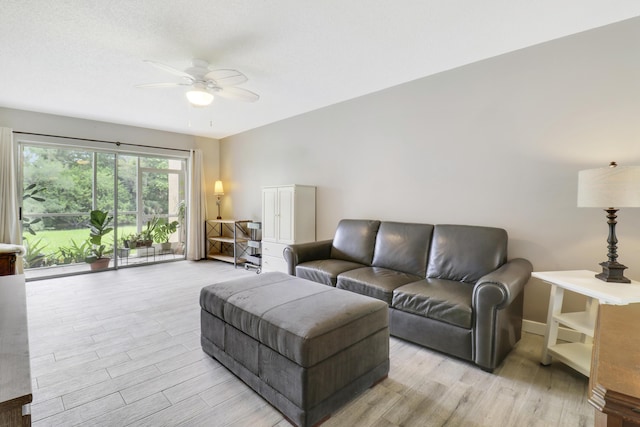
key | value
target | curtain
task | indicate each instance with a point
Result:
(9, 205)
(197, 207)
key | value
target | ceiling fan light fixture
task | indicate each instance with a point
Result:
(204, 82)
(199, 97)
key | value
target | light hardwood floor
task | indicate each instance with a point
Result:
(122, 348)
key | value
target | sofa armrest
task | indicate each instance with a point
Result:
(303, 252)
(500, 287)
(497, 306)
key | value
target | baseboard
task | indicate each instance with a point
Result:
(538, 328)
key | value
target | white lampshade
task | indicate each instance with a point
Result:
(610, 187)
(199, 97)
(217, 189)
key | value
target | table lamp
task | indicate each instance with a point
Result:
(218, 191)
(610, 188)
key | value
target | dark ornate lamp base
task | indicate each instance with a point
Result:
(613, 272)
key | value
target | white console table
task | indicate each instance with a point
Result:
(578, 354)
(15, 368)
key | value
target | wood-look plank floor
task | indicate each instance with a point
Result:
(122, 348)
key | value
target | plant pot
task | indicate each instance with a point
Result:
(100, 264)
(166, 246)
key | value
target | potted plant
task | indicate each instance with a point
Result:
(66, 255)
(124, 246)
(130, 241)
(146, 235)
(163, 231)
(98, 227)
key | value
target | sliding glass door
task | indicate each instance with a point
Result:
(162, 195)
(144, 196)
(58, 195)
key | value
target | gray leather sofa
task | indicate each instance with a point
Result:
(448, 287)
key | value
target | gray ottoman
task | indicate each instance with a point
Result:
(305, 347)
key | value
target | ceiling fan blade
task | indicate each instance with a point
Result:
(170, 69)
(161, 85)
(224, 78)
(238, 94)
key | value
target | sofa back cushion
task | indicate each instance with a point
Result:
(465, 252)
(354, 240)
(403, 247)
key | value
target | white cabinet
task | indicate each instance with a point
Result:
(578, 354)
(288, 217)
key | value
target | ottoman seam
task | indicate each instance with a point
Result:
(326, 333)
(293, 300)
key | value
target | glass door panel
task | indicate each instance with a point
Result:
(162, 198)
(61, 185)
(58, 193)
(104, 182)
(127, 215)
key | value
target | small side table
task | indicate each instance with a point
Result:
(8, 254)
(7, 264)
(144, 251)
(123, 253)
(578, 355)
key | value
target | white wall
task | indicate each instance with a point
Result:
(498, 143)
(28, 121)
(211, 160)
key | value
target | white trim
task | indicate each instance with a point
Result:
(538, 328)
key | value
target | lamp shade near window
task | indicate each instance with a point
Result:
(218, 190)
(610, 188)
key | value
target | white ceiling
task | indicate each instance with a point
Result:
(82, 58)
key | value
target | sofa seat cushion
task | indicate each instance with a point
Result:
(375, 282)
(325, 271)
(444, 300)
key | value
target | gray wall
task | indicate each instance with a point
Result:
(498, 143)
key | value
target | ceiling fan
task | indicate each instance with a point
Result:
(205, 82)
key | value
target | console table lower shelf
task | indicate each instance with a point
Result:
(576, 355)
(226, 258)
(226, 240)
